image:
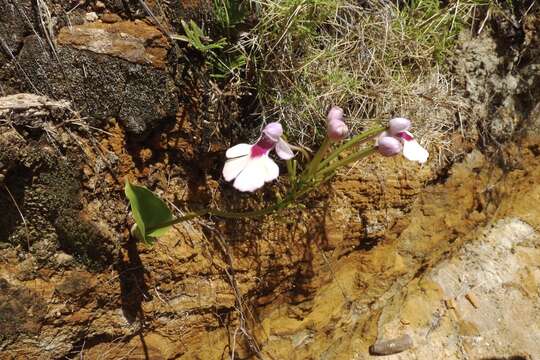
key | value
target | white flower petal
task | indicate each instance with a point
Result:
(253, 175)
(272, 170)
(238, 150)
(233, 167)
(283, 150)
(414, 152)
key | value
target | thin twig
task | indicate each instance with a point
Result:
(20, 214)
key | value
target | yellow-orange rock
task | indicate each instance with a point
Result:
(133, 41)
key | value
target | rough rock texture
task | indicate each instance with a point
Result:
(41, 182)
(447, 256)
(484, 300)
(100, 86)
(133, 41)
(501, 79)
(14, 26)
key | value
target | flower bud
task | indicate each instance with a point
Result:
(335, 113)
(337, 129)
(398, 125)
(388, 145)
(273, 130)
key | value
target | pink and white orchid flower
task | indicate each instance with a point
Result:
(336, 128)
(398, 139)
(250, 166)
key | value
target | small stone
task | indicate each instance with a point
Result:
(393, 346)
(109, 18)
(99, 5)
(91, 16)
(63, 258)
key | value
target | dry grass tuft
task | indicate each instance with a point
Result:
(376, 60)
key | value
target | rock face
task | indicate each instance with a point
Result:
(416, 262)
(453, 278)
(42, 183)
(13, 27)
(133, 41)
(100, 86)
(481, 302)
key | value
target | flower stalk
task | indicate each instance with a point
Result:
(250, 166)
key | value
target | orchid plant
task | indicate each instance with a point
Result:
(249, 167)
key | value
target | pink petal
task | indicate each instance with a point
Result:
(335, 113)
(388, 145)
(337, 130)
(381, 135)
(233, 167)
(414, 152)
(273, 130)
(238, 150)
(405, 135)
(397, 125)
(253, 175)
(283, 150)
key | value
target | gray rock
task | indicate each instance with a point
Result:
(100, 86)
(14, 25)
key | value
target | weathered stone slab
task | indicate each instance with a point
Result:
(134, 41)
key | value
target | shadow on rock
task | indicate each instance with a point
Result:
(132, 284)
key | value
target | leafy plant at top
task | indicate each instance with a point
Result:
(229, 13)
(149, 211)
(220, 56)
(195, 37)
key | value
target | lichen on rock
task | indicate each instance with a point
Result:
(98, 85)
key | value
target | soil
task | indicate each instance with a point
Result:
(445, 256)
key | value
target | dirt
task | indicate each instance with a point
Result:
(446, 254)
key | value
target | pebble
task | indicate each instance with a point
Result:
(392, 346)
(91, 16)
(63, 258)
(110, 18)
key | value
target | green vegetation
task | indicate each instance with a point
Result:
(229, 14)
(219, 57)
(436, 26)
(148, 211)
(375, 59)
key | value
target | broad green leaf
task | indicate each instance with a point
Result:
(148, 211)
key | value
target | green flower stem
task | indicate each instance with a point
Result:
(229, 214)
(349, 159)
(291, 170)
(353, 141)
(315, 170)
(179, 219)
(314, 164)
(291, 197)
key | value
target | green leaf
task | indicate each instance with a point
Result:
(149, 211)
(179, 37)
